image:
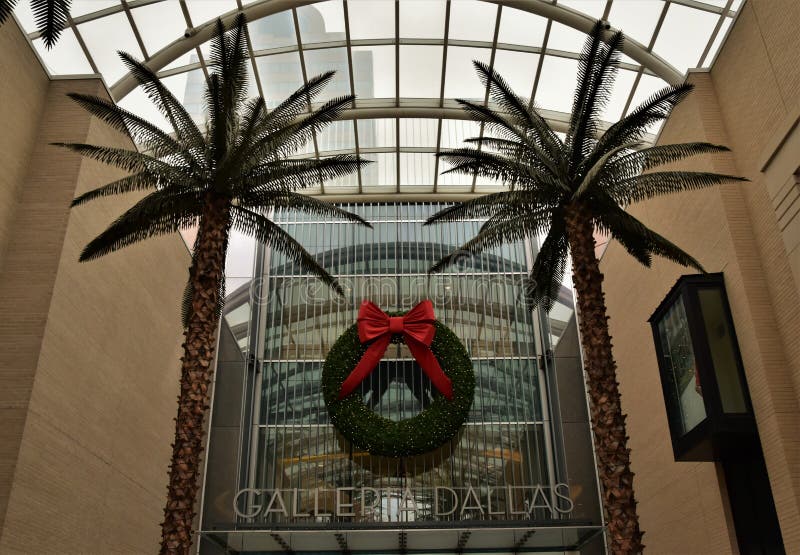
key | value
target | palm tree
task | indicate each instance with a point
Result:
(50, 15)
(229, 177)
(567, 189)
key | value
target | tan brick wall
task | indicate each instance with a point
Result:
(31, 261)
(748, 101)
(88, 357)
(22, 102)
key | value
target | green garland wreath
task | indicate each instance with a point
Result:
(377, 435)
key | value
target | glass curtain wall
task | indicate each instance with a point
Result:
(270, 430)
(506, 441)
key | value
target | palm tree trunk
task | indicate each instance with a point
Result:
(608, 422)
(196, 371)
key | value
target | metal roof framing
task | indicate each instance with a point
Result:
(263, 8)
(397, 108)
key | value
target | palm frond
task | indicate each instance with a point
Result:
(282, 175)
(51, 18)
(525, 221)
(522, 210)
(598, 67)
(289, 200)
(649, 185)
(508, 169)
(253, 114)
(548, 151)
(501, 93)
(482, 207)
(640, 241)
(597, 172)
(158, 213)
(634, 163)
(531, 154)
(216, 131)
(494, 121)
(296, 103)
(229, 60)
(186, 131)
(6, 9)
(141, 131)
(498, 231)
(128, 160)
(285, 141)
(587, 70)
(140, 181)
(634, 126)
(271, 234)
(517, 107)
(547, 274)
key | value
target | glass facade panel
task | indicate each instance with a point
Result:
(420, 71)
(422, 19)
(377, 133)
(685, 397)
(370, 19)
(158, 25)
(519, 27)
(330, 59)
(518, 69)
(461, 80)
(560, 91)
(374, 71)
(280, 76)
(679, 41)
(208, 10)
(472, 20)
(273, 31)
(721, 343)
(322, 22)
(274, 458)
(113, 29)
(506, 445)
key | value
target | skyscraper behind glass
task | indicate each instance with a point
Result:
(281, 75)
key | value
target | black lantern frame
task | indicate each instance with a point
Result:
(700, 303)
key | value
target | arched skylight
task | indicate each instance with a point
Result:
(406, 60)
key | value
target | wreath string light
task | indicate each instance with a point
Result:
(441, 356)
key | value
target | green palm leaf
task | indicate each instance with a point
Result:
(6, 9)
(182, 123)
(649, 185)
(266, 231)
(140, 181)
(230, 177)
(547, 275)
(158, 213)
(152, 139)
(565, 191)
(50, 17)
(593, 173)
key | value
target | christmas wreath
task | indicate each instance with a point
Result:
(441, 356)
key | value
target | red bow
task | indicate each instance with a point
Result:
(417, 329)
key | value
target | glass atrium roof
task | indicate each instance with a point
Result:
(406, 60)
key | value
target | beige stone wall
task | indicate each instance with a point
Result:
(88, 354)
(749, 102)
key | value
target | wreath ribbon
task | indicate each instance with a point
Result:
(417, 330)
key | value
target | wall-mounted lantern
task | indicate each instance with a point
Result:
(705, 391)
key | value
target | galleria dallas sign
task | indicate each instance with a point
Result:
(445, 501)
